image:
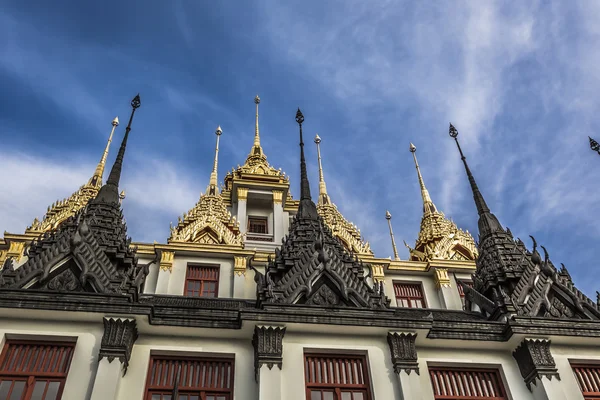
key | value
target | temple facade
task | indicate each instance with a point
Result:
(257, 295)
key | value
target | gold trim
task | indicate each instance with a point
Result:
(441, 278)
(242, 194)
(239, 267)
(166, 260)
(377, 272)
(277, 196)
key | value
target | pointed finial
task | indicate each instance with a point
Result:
(487, 221)
(256, 131)
(594, 145)
(212, 187)
(428, 206)
(109, 193)
(122, 196)
(96, 179)
(323, 196)
(307, 208)
(388, 216)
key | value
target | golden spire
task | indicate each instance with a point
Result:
(256, 132)
(323, 196)
(96, 179)
(212, 187)
(428, 206)
(388, 216)
(256, 154)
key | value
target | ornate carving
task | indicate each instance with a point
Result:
(403, 351)
(117, 341)
(535, 360)
(268, 347)
(242, 194)
(324, 296)
(442, 280)
(377, 273)
(345, 231)
(277, 196)
(15, 251)
(65, 281)
(240, 263)
(166, 260)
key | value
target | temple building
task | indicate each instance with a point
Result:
(257, 295)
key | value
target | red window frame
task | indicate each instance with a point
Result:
(412, 292)
(200, 378)
(336, 377)
(39, 368)
(201, 281)
(588, 378)
(467, 384)
(258, 225)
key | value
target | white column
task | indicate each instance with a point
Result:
(268, 354)
(242, 197)
(406, 365)
(239, 277)
(277, 216)
(548, 389)
(164, 272)
(449, 297)
(108, 377)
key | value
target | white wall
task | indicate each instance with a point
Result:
(177, 278)
(431, 296)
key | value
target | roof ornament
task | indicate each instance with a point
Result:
(109, 193)
(212, 187)
(256, 131)
(388, 216)
(594, 145)
(428, 206)
(323, 196)
(307, 208)
(96, 179)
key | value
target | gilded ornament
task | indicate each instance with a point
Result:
(239, 267)
(441, 278)
(242, 194)
(277, 196)
(166, 260)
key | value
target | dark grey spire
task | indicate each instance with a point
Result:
(487, 221)
(109, 193)
(307, 207)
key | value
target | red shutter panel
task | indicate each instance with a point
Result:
(409, 295)
(466, 384)
(588, 378)
(201, 281)
(336, 377)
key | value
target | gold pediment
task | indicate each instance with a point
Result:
(347, 232)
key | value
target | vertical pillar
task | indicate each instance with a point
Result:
(268, 352)
(406, 365)
(239, 276)
(117, 342)
(242, 217)
(449, 298)
(164, 272)
(538, 368)
(277, 215)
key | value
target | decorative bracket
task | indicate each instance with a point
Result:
(242, 194)
(403, 351)
(442, 280)
(377, 273)
(277, 196)
(117, 341)
(268, 347)
(535, 360)
(166, 260)
(239, 267)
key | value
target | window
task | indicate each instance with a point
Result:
(588, 377)
(257, 225)
(336, 377)
(202, 281)
(461, 291)
(409, 295)
(34, 371)
(193, 378)
(463, 384)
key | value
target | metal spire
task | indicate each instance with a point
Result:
(323, 196)
(307, 207)
(594, 145)
(212, 187)
(428, 206)
(487, 221)
(96, 179)
(256, 132)
(388, 216)
(109, 193)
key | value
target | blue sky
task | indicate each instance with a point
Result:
(520, 83)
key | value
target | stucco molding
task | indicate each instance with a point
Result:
(535, 360)
(117, 341)
(268, 347)
(403, 352)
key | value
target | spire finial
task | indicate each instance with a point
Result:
(307, 207)
(487, 221)
(256, 132)
(428, 206)
(96, 179)
(388, 216)
(109, 193)
(212, 187)
(323, 196)
(594, 145)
